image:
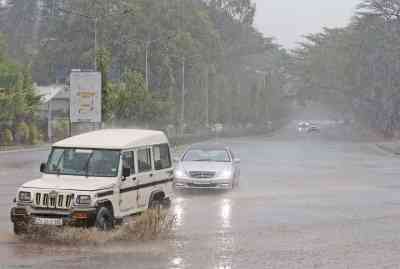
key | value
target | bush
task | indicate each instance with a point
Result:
(7, 137)
(22, 133)
(34, 134)
(61, 130)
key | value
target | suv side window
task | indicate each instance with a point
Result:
(144, 160)
(128, 161)
(162, 157)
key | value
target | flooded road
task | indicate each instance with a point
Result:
(302, 203)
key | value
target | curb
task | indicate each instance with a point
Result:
(388, 149)
(22, 150)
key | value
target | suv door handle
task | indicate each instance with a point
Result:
(134, 179)
(151, 175)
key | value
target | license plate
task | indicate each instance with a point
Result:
(202, 183)
(47, 221)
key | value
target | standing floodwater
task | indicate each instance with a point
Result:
(301, 202)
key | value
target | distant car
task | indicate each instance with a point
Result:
(207, 166)
(303, 126)
(313, 128)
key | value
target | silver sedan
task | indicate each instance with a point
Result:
(207, 166)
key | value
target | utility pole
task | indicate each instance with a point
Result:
(49, 124)
(53, 6)
(95, 43)
(183, 97)
(147, 64)
(207, 97)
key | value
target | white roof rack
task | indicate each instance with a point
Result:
(114, 139)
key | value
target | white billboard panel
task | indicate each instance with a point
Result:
(85, 103)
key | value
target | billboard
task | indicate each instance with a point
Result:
(85, 102)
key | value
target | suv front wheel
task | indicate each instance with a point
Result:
(104, 219)
(20, 228)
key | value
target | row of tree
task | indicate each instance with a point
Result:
(18, 102)
(356, 68)
(164, 61)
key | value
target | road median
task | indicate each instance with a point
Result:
(390, 147)
(18, 149)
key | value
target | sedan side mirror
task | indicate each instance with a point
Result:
(43, 167)
(237, 160)
(126, 172)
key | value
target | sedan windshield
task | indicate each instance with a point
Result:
(84, 162)
(206, 155)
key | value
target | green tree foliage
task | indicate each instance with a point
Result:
(355, 69)
(214, 41)
(18, 100)
(131, 101)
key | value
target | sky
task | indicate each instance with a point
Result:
(289, 20)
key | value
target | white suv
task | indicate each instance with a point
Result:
(97, 179)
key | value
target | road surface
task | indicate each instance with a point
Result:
(302, 203)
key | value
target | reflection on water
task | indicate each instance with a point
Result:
(178, 211)
(177, 263)
(224, 266)
(226, 210)
(226, 241)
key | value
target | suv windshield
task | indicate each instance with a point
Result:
(84, 162)
(206, 155)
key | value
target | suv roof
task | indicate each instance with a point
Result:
(114, 139)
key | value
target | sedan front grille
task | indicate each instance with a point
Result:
(202, 174)
(53, 200)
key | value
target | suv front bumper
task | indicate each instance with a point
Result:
(78, 217)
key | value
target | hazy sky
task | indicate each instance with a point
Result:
(288, 20)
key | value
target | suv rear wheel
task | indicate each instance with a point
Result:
(104, 219)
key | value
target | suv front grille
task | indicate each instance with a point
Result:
(201, 174)
(53, 200)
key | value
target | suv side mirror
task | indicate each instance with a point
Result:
(237, 160)
(126, 172)
(43, 167)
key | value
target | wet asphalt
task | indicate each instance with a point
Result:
(303, 202)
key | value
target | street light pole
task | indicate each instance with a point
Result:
(95, 43)
(147, 65)
(207, 98)
(183, 97)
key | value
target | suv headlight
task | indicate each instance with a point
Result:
(83, 200)
(24, 196)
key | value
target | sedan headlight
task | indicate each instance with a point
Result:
(226, 174)
(24, 196)
(83, 200)
(180, 173)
